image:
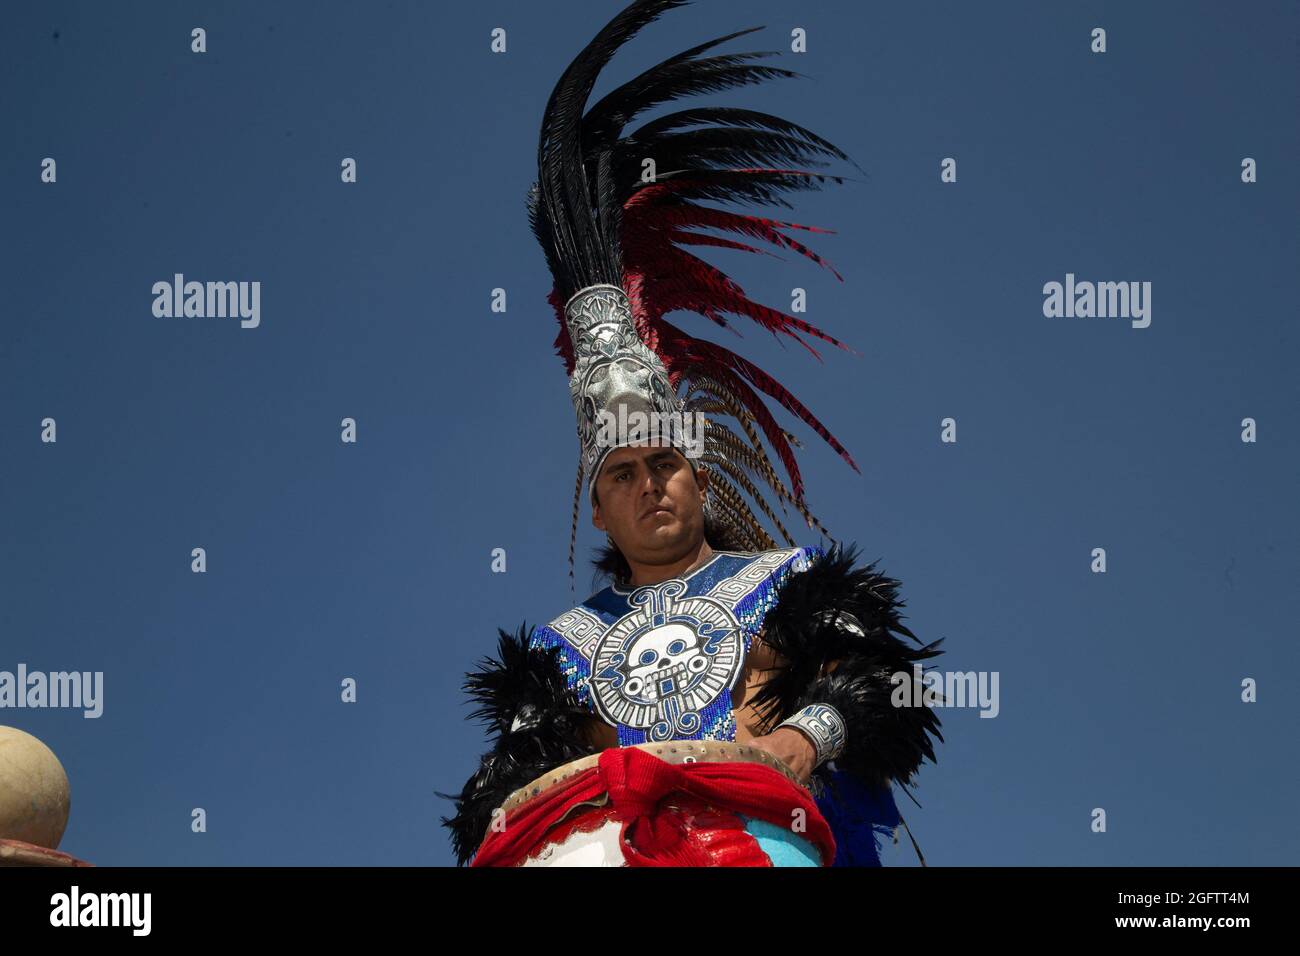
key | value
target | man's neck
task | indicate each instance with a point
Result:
(643, 574)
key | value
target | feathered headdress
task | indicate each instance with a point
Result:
(615, 212)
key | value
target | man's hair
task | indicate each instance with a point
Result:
(611, 566)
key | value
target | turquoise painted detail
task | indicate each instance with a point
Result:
(782, 846)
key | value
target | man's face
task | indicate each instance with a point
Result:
(651, 502)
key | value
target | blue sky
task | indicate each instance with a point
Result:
(372, 561)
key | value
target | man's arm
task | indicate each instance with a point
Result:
(792, 748)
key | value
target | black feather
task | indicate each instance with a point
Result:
(581, 243)
(518, 680)
(537, 722)
(588, 169)
(814, 623)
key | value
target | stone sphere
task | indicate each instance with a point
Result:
(34, 796)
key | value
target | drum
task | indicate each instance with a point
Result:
(678, 803)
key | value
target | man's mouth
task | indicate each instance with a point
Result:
(654, 511)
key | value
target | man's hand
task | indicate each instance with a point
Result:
(792, 748)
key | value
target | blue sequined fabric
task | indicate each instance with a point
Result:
(746, 584)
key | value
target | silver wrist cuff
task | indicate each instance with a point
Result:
(824, 726)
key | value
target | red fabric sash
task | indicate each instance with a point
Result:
(636, 781)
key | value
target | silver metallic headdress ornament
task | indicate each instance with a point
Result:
(618, 243)
(621, 392)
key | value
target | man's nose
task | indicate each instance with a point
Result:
(653, 481)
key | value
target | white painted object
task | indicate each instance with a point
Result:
(599, 847)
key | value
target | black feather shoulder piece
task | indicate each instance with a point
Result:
(537, 724)
(838, 625)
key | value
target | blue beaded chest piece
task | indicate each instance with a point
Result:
(659, 662)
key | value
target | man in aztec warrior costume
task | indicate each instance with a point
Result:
(724, 702)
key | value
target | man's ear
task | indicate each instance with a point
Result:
(597, 521)
(702, 480)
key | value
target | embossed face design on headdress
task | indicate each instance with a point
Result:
(620, 389)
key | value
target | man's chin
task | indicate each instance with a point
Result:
(664, 534)
(661, 534)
